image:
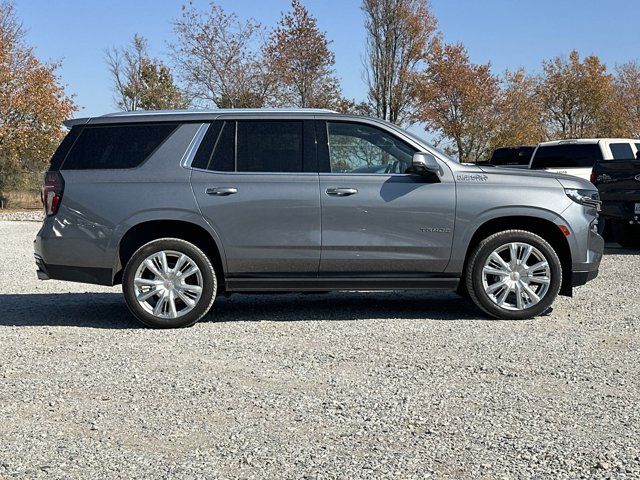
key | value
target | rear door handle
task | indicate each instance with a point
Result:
(221, 191)
(341, 192)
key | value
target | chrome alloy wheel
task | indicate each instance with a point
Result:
(516, 276)
(168, 284)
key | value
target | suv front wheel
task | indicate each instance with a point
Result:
(514, 275)
(169, 283)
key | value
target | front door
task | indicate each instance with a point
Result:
(375, 217)
(256, 183)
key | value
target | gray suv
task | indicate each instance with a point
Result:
(182, 206)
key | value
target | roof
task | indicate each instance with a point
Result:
(587, 141)
(193, 115)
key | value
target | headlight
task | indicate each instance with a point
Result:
(589, 198)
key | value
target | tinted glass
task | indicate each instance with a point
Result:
(269, 146)
(511, 156)
(217, 150)
(621, 151)
(358, 148)
(121, 146)
(64, 147)
(566, 156)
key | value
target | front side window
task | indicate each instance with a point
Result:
(358, 148)
(116, 146)
(580, 155)
(621, 151)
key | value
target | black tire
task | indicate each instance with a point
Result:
(209, 283)
(473, 276)
(627, 235)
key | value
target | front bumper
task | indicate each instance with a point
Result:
(580, 278)
(584, 272)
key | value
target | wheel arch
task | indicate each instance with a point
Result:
(146, 231)
(540, 226)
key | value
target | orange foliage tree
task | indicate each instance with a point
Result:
(33, 104)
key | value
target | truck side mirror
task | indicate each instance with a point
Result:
(425, 164)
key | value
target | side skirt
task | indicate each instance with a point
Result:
(328, 283)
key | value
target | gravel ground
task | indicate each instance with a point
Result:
(22, 215)
(319, 386)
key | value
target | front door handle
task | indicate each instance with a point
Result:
(221, 191)
(341, 192)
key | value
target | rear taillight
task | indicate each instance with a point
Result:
(592, 178)
(52, 191)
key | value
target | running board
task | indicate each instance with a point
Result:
(326, 284)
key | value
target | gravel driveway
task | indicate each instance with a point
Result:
(413, 385)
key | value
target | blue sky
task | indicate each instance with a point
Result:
(508, 33)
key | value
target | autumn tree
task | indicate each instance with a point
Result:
(33, 104)
(300, 62)
(399, 34)
(218, 57)
(578, 98)
(459, 101)
(141, 82)
(627, 81)
(519, 119)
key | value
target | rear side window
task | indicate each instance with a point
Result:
(621, 151)
(269, 146)
(261, 146)
(217, 150)
(116, 146)
(566, 156)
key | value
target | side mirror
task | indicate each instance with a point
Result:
(424, 164)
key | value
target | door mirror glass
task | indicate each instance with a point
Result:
(424, 163)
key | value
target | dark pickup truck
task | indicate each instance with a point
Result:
(618, 182)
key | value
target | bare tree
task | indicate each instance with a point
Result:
(300, 62)
(125, 66)
(217, 56)
(141, 82)
(399, 33)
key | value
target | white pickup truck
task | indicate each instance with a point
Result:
(577, 157)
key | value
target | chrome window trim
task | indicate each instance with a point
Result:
(191, 150)
(218, 172)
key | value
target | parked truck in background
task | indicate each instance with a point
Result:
(513, 157)
(578, 156)
(618, 182)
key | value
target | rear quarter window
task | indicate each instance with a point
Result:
(116, 146)
(566, 156)
(621, 151)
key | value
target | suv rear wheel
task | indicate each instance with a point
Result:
(513, 275)
(169, 283)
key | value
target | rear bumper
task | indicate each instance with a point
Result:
(618, 210)
(54, 271)
(97, 276)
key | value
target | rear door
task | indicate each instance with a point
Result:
(256, 183)
(376, 218)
